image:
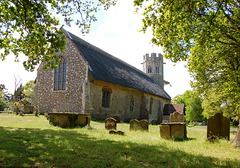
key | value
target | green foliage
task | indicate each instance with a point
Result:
(204, 33)
(193, 105)
(215, 102)
(29, 27)
(5, 97)
(28, 90)
(23, 95)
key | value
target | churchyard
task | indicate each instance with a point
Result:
(30, 141)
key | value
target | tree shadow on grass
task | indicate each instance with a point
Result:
(63, 148)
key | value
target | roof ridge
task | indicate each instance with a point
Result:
(104, 53)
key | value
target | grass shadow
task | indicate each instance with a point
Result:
(68, 148)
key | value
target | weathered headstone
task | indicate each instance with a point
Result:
(165, 131)
(134, 125)
(174, 130)
(117, 117)
(176, 117)
(178, 131)
(144, 125)
(218, 126)
(116, 132)
(138, 125)
(154, 122)
(111, 124)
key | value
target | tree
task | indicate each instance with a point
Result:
(193, 105)
(30, 27)
(204, 33)
(5, 97)
(28, 90)
(215, 102)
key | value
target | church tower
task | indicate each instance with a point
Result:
(153, 66)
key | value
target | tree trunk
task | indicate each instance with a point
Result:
(236, 140)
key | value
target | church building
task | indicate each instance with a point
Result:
(89, 80)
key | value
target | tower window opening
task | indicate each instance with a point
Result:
(149, 69)
(157, 69)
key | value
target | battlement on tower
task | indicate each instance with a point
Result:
(152, 57)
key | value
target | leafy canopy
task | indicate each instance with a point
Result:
(30, 27)
(204, 33)
(193, 105)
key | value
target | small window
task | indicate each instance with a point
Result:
(157, 69)
(131, 104)
(149, 69)
(106, 93)
(151, 103)
(60, 75)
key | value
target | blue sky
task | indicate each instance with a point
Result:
(116, 32)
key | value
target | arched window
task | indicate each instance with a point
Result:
(149, 69)
(60, 75)
(131, 104)
(157, 69)
(106, 93)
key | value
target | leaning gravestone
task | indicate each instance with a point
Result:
(111, 124)
(138, 125)
(218, 126)
(176, 117)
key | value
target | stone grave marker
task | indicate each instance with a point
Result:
(165, 131)
(110, 124)
(176, 117)
(144, 125)
(134, 125)
(218, 126)
(138, 125)
(154, 122)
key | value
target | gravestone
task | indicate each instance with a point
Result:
(174, 130)
(116, 132)
(136, 125)
(218, 126)
(154, 122)
(165, 131)
(144, 125)
(110, 124)
(176, 117)
(117, 117)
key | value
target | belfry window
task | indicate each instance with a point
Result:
(149, 69)
(106, 93)
(131, 104)
(60, 75)
(157, 69)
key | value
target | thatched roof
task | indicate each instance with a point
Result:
(105, 67)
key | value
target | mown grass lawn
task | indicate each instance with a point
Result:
(31, 141)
